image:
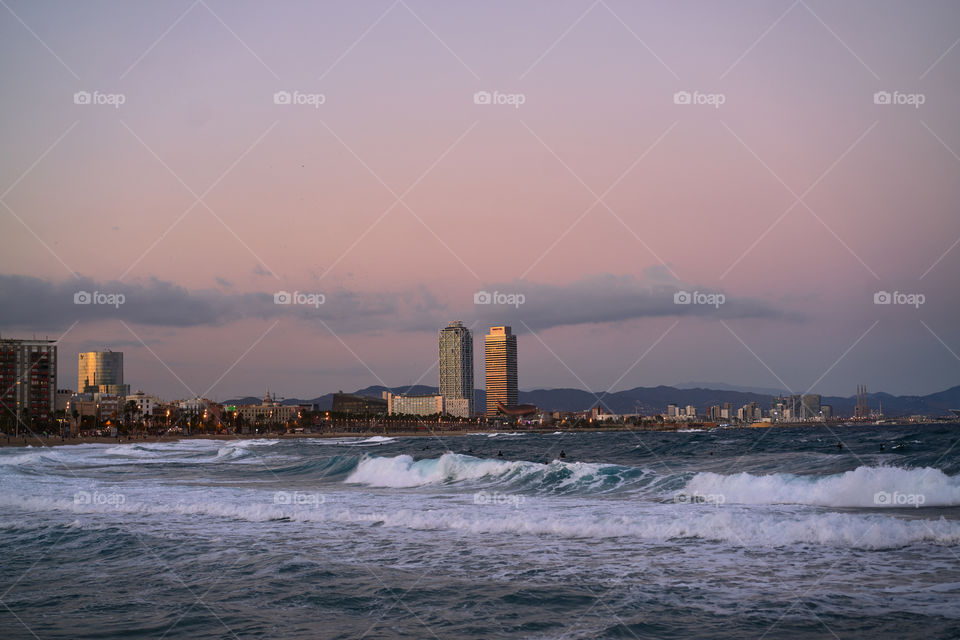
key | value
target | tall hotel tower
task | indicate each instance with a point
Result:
(501, 351)
(456, 369)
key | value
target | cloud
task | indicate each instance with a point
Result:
(607, 298)
(35, 304)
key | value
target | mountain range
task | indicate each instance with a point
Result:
(653, 400)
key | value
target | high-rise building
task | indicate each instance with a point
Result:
(28, 381)
(101, 372)
(456, 368)
(501, 360)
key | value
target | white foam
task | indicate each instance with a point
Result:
(723, 524)
(22, 459)
(862, 487)
(402, 471)
(708, 523)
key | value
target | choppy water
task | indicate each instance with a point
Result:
(721, 534)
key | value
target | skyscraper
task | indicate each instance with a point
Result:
(28, 382)
(101, 372)
(501, 352)
(456, 367)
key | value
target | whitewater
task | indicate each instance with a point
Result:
(713, 534)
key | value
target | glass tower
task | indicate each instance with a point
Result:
(101, 371)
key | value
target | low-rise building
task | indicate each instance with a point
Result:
(399, 404)
(353, 403)
(269, 411)
(145, 403)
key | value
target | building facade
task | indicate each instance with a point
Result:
(269, 411)
(101, 372)
(353, 403)
(501, 368)
(146, 403)
(458, 407)
(456, 367)
(398, 404)
(811, 406)
(28, 381)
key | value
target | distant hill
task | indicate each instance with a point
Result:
(651, 400)
(721, 386)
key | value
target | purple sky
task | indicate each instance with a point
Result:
(398, 198)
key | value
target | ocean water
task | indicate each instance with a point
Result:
(774, 533)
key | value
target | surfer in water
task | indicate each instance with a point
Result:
(562, 454)
(499, 454)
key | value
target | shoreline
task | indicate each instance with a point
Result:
(56, 441)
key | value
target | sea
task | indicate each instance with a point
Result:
(813, 532)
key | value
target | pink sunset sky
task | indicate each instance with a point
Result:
(789, 184)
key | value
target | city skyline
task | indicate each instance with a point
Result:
(782, 169)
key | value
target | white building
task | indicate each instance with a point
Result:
(145, 402)
(413, 405)
(457, 407)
